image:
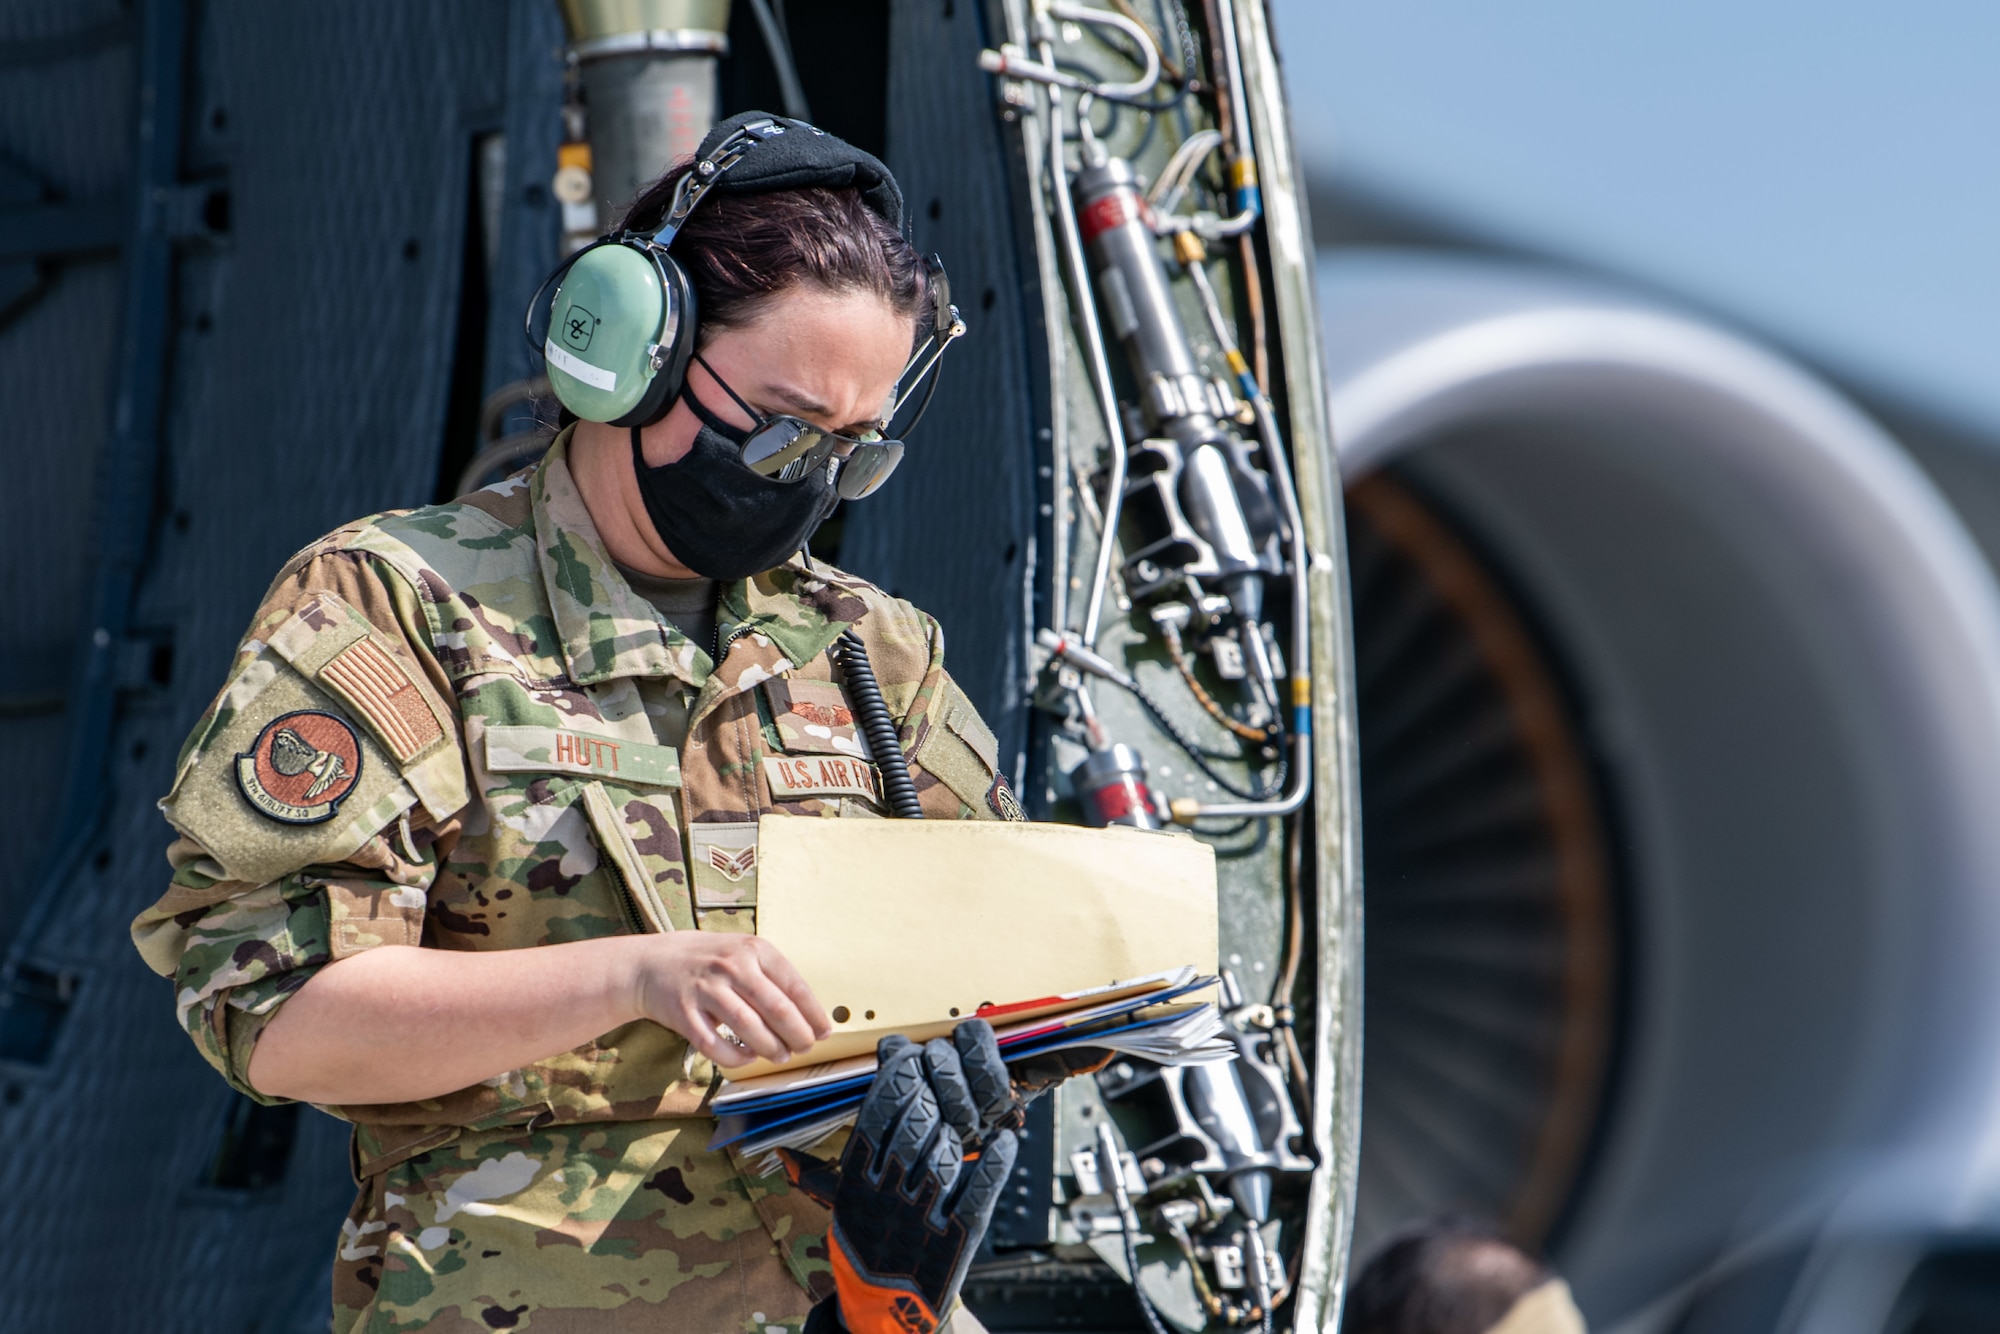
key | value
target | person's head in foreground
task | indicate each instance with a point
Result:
(1452, 1276)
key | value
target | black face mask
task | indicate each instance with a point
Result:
(720, 519)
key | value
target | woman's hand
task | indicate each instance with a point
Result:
(695, 981)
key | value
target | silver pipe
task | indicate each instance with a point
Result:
(1239, 103)
(1093, 342)
(1185, 810)
(1174, 177)
(1012, 62)
(1208, 226)
(1260, 1272)
(1055, 467)
(1084, 658)
(1150, 54)
(1299, 668)
(649, 75)
(1248, 199)
(669, 41)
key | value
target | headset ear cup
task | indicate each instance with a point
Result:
(612, 307)
(675, 339)
(680, 347)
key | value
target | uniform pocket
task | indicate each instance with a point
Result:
(611, 821)
(820, 766)
(584, 822)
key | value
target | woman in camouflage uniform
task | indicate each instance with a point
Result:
(467, 847)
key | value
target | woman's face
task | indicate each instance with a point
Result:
(831, 358)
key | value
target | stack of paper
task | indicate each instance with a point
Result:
(1148, 1017)
(907, 926)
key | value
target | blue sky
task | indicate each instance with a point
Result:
(1827, 173)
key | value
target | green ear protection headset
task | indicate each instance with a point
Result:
(622, 331)
(622, 324)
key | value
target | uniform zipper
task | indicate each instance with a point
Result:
(721, 645)
(628, 907)
(634, 924)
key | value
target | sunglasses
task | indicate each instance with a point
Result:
(785, 448)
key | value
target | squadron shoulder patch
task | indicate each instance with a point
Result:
(301, 767)
(1003, 801)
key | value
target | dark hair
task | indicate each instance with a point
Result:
(740, 250)
(1447, 1276)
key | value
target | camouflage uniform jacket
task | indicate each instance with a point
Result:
(450, 727)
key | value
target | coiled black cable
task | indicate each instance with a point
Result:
(1153, 1322)
(872, 712)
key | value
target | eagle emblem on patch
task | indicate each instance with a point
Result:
(828, 716)
(1003, 801)
(303, 764)
(733, 865)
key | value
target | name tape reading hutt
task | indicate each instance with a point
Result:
(526, 749)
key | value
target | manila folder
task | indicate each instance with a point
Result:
(905, 926)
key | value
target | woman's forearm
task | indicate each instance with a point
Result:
(400, 1023)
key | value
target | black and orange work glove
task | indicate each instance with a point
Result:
(915, 1189)
(1036, 1075)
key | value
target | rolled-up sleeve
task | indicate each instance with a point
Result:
(236, 951)
(260, 901)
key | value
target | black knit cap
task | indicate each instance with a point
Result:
(802, 157)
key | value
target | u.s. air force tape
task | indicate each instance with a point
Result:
(793, 777)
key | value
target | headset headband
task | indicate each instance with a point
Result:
(626, 307)
(694, 186)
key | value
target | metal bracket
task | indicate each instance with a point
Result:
(188, 211)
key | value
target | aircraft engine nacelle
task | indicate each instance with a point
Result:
(1679, 692)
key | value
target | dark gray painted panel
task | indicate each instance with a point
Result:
(951, 534)
(53, 360)
(312, 352)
